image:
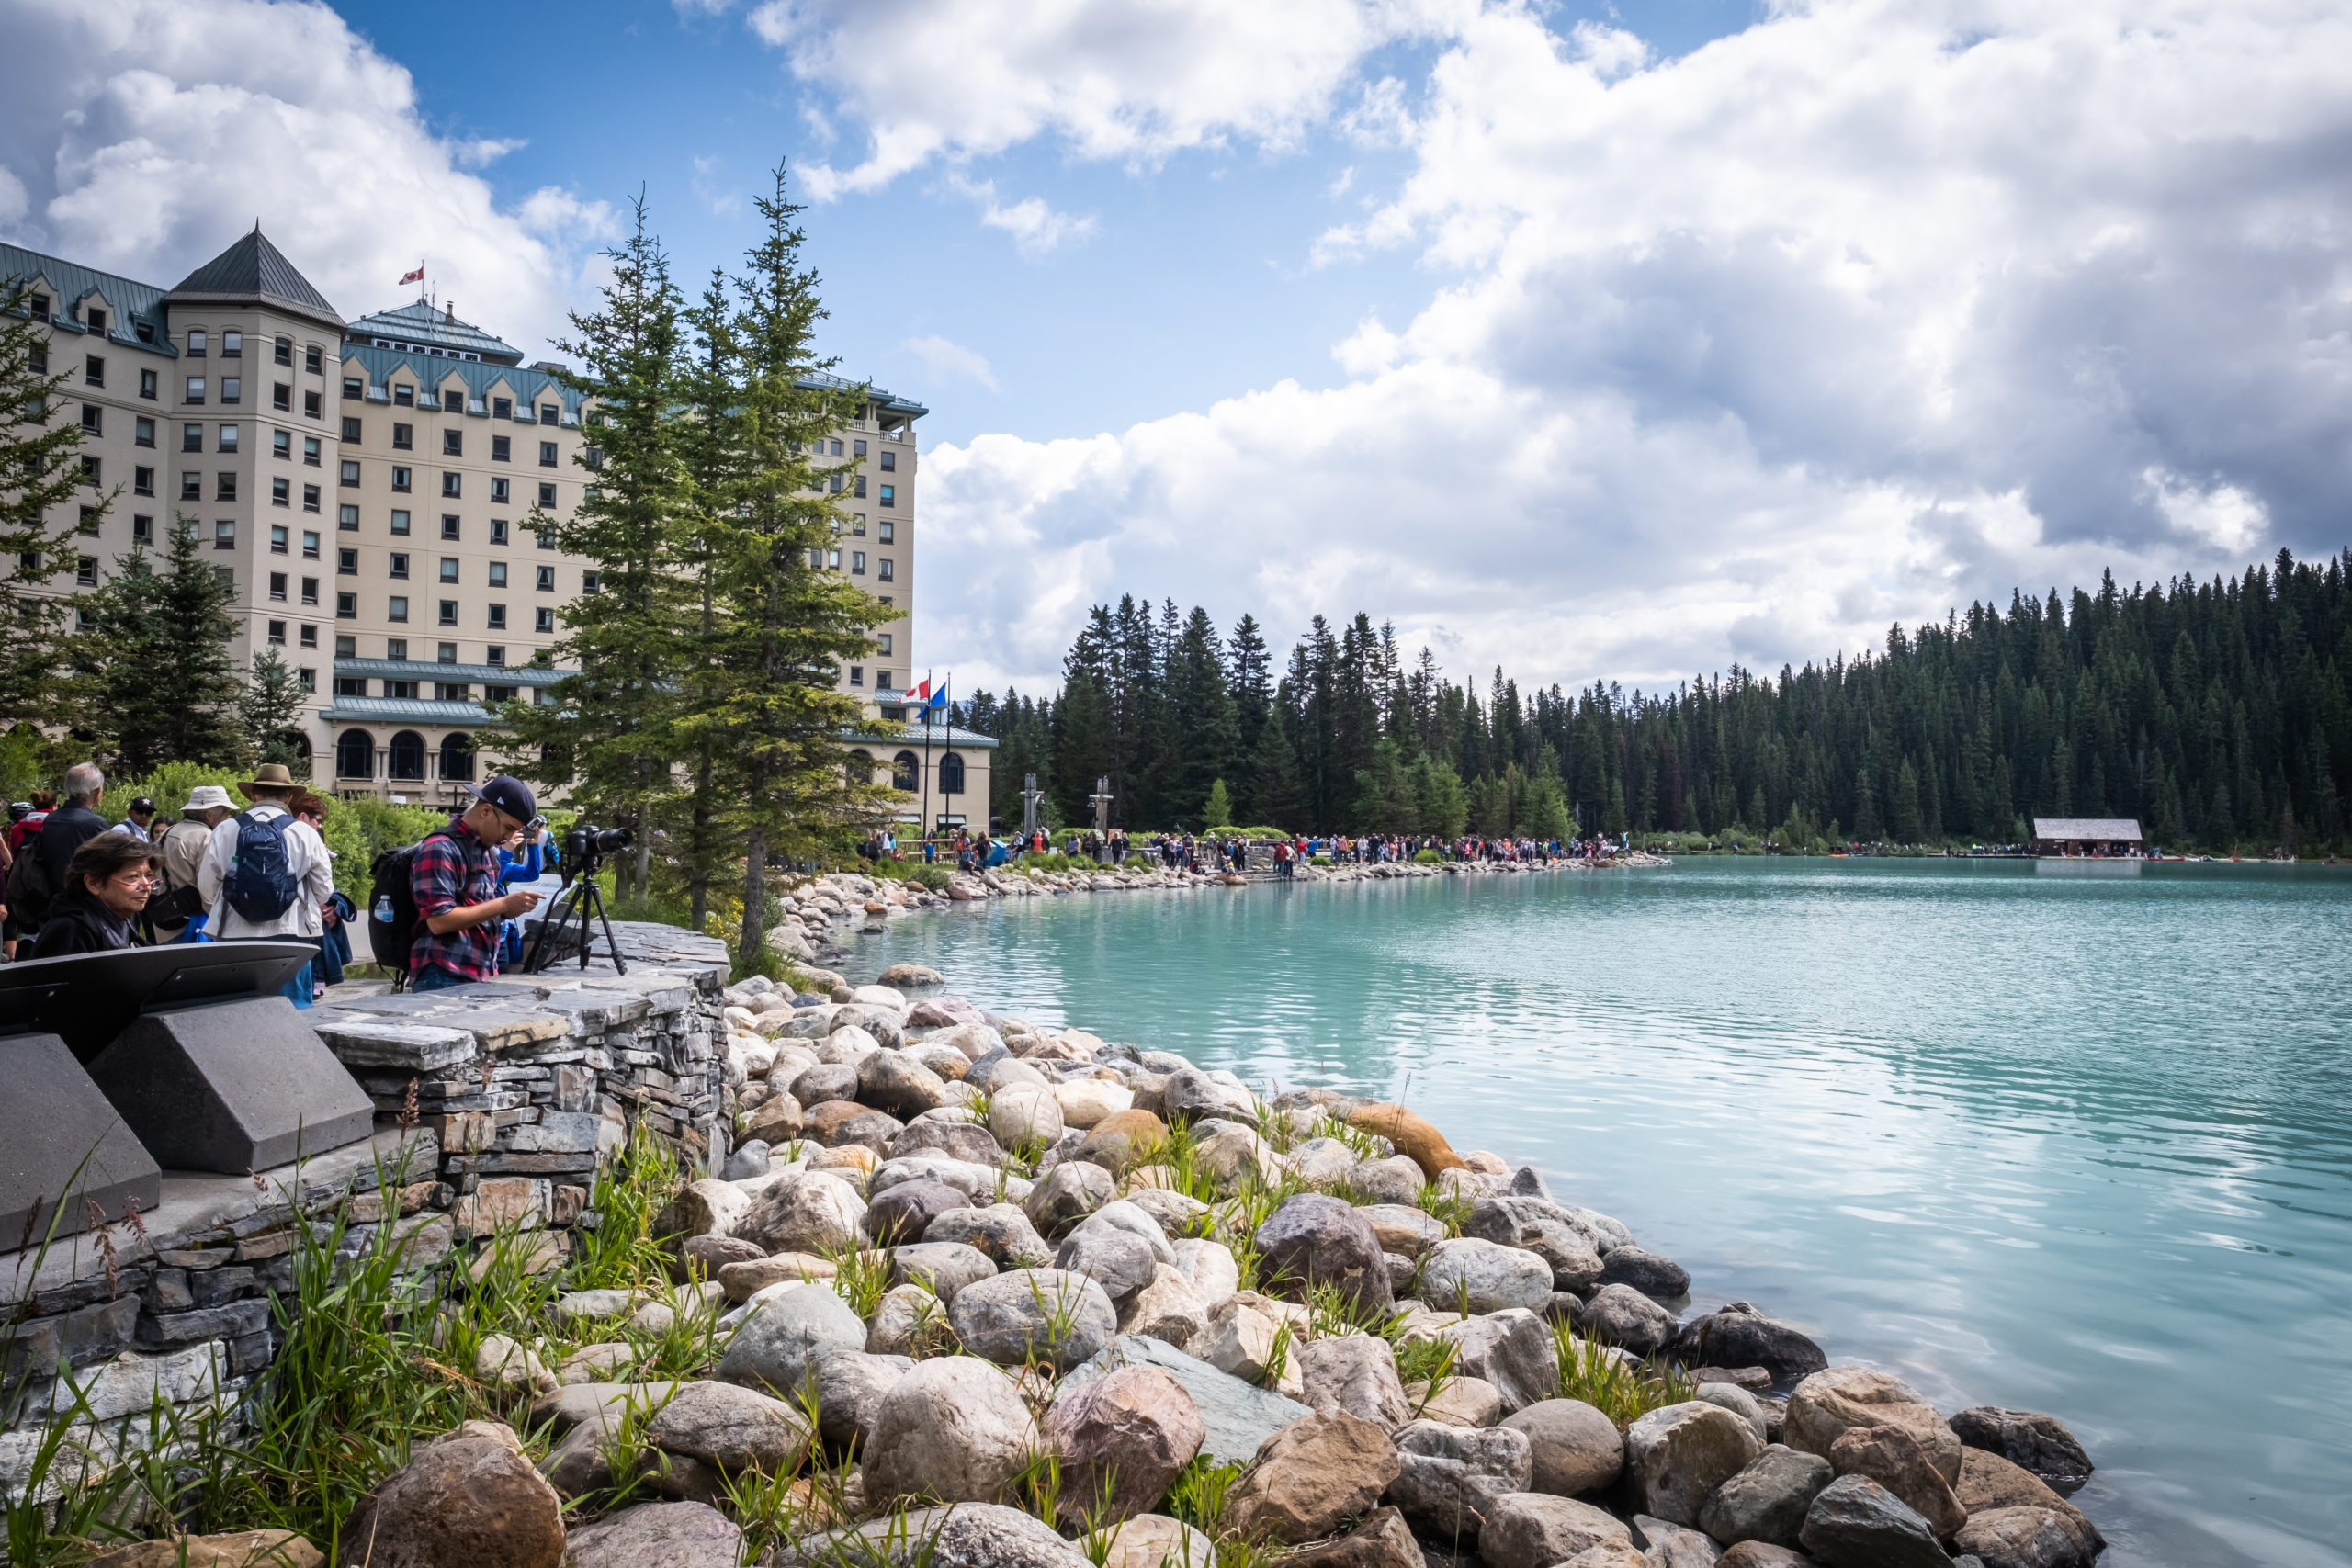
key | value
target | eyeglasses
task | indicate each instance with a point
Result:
(140, 879)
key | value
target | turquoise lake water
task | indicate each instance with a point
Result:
(2045, 1136)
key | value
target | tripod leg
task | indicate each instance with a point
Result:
(620, 967)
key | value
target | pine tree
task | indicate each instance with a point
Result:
(1445, 809)
(268, 709)
(1218, 812)
(40, 474)
(1544, 815)
(1910, 827)
(155, 682)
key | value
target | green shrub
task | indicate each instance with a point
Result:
(1429, 857)
(1319, 860)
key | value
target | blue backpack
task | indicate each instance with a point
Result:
(260, 885)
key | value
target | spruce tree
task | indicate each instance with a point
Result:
(268, 709)
(41, 495)
(155, 683)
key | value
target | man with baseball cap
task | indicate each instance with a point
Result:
(454, 879)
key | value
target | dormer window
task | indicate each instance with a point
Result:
(196, 344)
(39, 304)
(404, 396)
(453, 402)
(96, 321)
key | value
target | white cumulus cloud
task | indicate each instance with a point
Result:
(949, 361)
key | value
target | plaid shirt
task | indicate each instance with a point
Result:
(454, 868)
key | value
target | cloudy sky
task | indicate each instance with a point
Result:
(1604, 342)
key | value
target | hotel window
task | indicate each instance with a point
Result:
(310, 591)
(93, 420)
(232, 389)
(550, 414)
(191, 438)
(224, 535)
(191, 487)
(546, 537)
(498, 574)
(403, 397)
(498, 693)
(94, 370)
(347, 519)
(501, 408)
(403, 437)
(588, 582)
(313, 360)
(449, 611)
(350, 474)
(277, 629)
(882, 680)
(225, 485)
(354, 387)
(834, 484)
(542, 622)
(142, 482)
(400, 523)
(858, 486)
(858, 524)
(399, 478)
(90, 475)
(347, 608)
(142, 528)
(546, 453)
(307, 675)
(346, 646)
(451, 486)
(310, 544)
(88, 522)
(283, 351)
(498, 495)
(884, 640)
(857, 671)
(399, 564)
(890, 462)
(396, 608)
(890, 495)
(195, 349)
(310, 637)
(837, 448)
(857, 563)
(494, 654)
(281, 446)
(502, 448)
(450, 527)
(227, 439)
(498, 617)
(195, 389)
(280, 541)
(889, 572)
(857, 448)
(147, 383)
(277, 587)
(889, 531)
(350, 428)
(453, 402)
(350, 686)
(404, 690)
(449, 568)
(498, 530)
(451, 691)
(346, 563)
(547, 580)
(310, 451)
(142, 433)
(85, 571)
(310, 498)
(453, 443)
(546, 495)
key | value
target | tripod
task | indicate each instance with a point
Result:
(574, 902)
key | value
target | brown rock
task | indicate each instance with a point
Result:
(1534, 1529)
(1136, 1426)
(1989, 1481)
(1383, 1541)
(1829, 1402)
(466, 1500)
(1892, 1458)
(2029, 1538)
(657, 1535)
(842, 1122)
(706, 1255)
(1415, 1138)
(776, 1119)
(742, 1280)
(243, 1549)
(1124, 1140)
(1310, 1475)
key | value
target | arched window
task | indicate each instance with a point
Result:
(457, 756)
(354, 755)
(905, 773)
(951, 774)
(407, 760)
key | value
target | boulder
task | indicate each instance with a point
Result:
(879, 997)
(1624, 1316)
(502, 1363)
(657, 1535)
(1314, 1239)
(840, 1123)
(966, 1142)
(1069, 1192)
(1114, 1257)
(729, 1428)
(1001, 1232)
(1394, 1182)
(1132, 1430)
(850, 1386)
(773, 1348)
(1233, 1156)
(1451, 1478)
(1323, 1163)
(903, 1212)
(707, 1207)
(1826, 1405)
(910, 975)
(1572, 1446)
(1535, 1530)
(1413, 1137)
(1034, 1314)
(1989, 1481)
(1191, 1094)
(704, 1255)
(1155, 1540)
(1354, 1374)
(1892, 1458)
(2029, 1538)
(1541, 1228)
(743, 1280)
(954, 1430)
(1124, 1140)
(826, 1083)
(1475, 1276)
(848, 1044)
(1646, 1273)
(1739, 1335)
(1676, 1455)
(951, 1064)
(1667, 1545)
(1241, 1339)
(1512, 1351)
(1167, 1309)
(942, 1267)
(1457, 1401)
(468, 1497)
(1757, 1554)
(1176, 1214)
(1211, 1268)
(1739, 1402)
(775, 1120)
(1024, 1114)
(1383, 1541)
(1238, 1417)
(1088, 1103)
(1768, 1500)
(1857, 1523)
(1402, 1230)
(1308, 1477)
(2032, 1442)
(811, 1212)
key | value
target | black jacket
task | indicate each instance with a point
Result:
(67, 828)
(77, 922)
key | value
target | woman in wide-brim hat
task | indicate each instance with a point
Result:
(270, 782)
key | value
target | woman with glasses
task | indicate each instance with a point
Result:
(106, 884)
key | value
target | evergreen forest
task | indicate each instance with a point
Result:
(2215, 713)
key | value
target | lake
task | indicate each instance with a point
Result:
(2061, 1138)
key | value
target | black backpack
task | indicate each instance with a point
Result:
(29, 886)
(391, 905)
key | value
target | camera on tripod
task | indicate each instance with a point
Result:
(565, 928)
(585, 845)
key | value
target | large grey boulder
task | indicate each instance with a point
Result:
(1383, 1541)
(956, 1140)
(466, 1496)
(1572, 1446)
(1115, 1258)
(1535, 1530)
(1191, 1094)
(1646, 1273)
(850, 1386)
(1857, 1523)
(1989, 1481)
(656, 1535)
(1739, 1402)
(963, 1535)
(1001, 1232)
(1676, 1455)
(1393, 1182)
(897, 1083)
(1544, 1229)
(1739, 1335)
(772, 1348)
(1622, 1315)
(730, 1428)
(1314, 1239)
(1768, 1500)
(1238, 1417)
(1040, 1314)
(1894, 1458)
(1512, 1350)
(942, 1267)
(1451, 1478)
(955, 1429)
(1069, 1192)
(809, 1211)
(2034, 1443)
(1354, 1374)
(1466, 1274)
(1402, 1230)
(1155, 1540)
(1668, 1545)
(903, 1212)
(1168, 1308)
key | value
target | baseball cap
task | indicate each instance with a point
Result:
(509, 795)
(143, 804)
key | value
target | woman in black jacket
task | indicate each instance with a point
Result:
(108, 882)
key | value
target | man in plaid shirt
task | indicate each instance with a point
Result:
(454, 879)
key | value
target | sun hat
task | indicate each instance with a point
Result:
(269, 775)
(204, 797)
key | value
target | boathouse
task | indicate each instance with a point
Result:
(2078, 836)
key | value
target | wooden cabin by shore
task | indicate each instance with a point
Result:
(2075, 837)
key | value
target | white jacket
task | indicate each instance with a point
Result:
(306, 857)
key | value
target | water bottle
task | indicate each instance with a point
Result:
(383, 910)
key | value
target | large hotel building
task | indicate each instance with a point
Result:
(364, 485)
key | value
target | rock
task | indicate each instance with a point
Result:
(1132, 1430)
(1451, 1478)
(1534, 1529)
(1402, 1230)
(1069, 1192)
(1541, 1228)
(811, 1212)
(850, 1386)
(1757, 1554)
(1382, 1541)
(1414, 1137)
(1458, 1402)
(1857, 1523)
(1768, 1500)
(657, 1535)
(741, 1281)
(1475, 1276)
(1239, 1339)
(775, 1120)
(704, 1255)
(2029, 1538)
(1022, 1114)
(2032, 1442)
(773, 1347)
(240, 1549)
(1609, 1555)
(826, 1083)
(910, 975)
(1572, 1446)
(1323, 1163)
(848, 1044)
(962, 1141)
(966, 1535)
(1622, 1315)
(1676, 1455)
(1191, 1094)
(1155, 1540)
(1892, 1458)
(730, 1428)
(1211, 1268)
(1233, 1155)
(748, 1160)
(1739, 1336)
(594, 1404)
(1667, 1545)
(1238, 1417)
(1392, 1182)
(954, 1430)
(1117, 1260)
(464, 1498)
(1314, 1239)
(1088, 1103)
(1512, 1351)
(1739, 1402)
(1167, 1309)
(903, 1212)
(596, 1363)
(1000, 1232)
(707, 1207)
(1178, 1214)
(1123, 1140)
(1646, 1273)
(899, 1317)
(1989, 1481)
(1040, 1314)
(839, 1122)
(501, 1361)
(1354, 1374)
(942, 1267)
(1308, 1477)
(1826, 1405)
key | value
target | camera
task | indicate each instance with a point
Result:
(586, 845)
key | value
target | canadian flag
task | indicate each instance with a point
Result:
(921, 694)
(416, 277)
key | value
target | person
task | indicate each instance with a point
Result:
(526, 856)
(179, 914)
(241, 907)
(24, 817)
(141, 818)
(72, 824)
(106, 889)
(454, 879)
(335, 935)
